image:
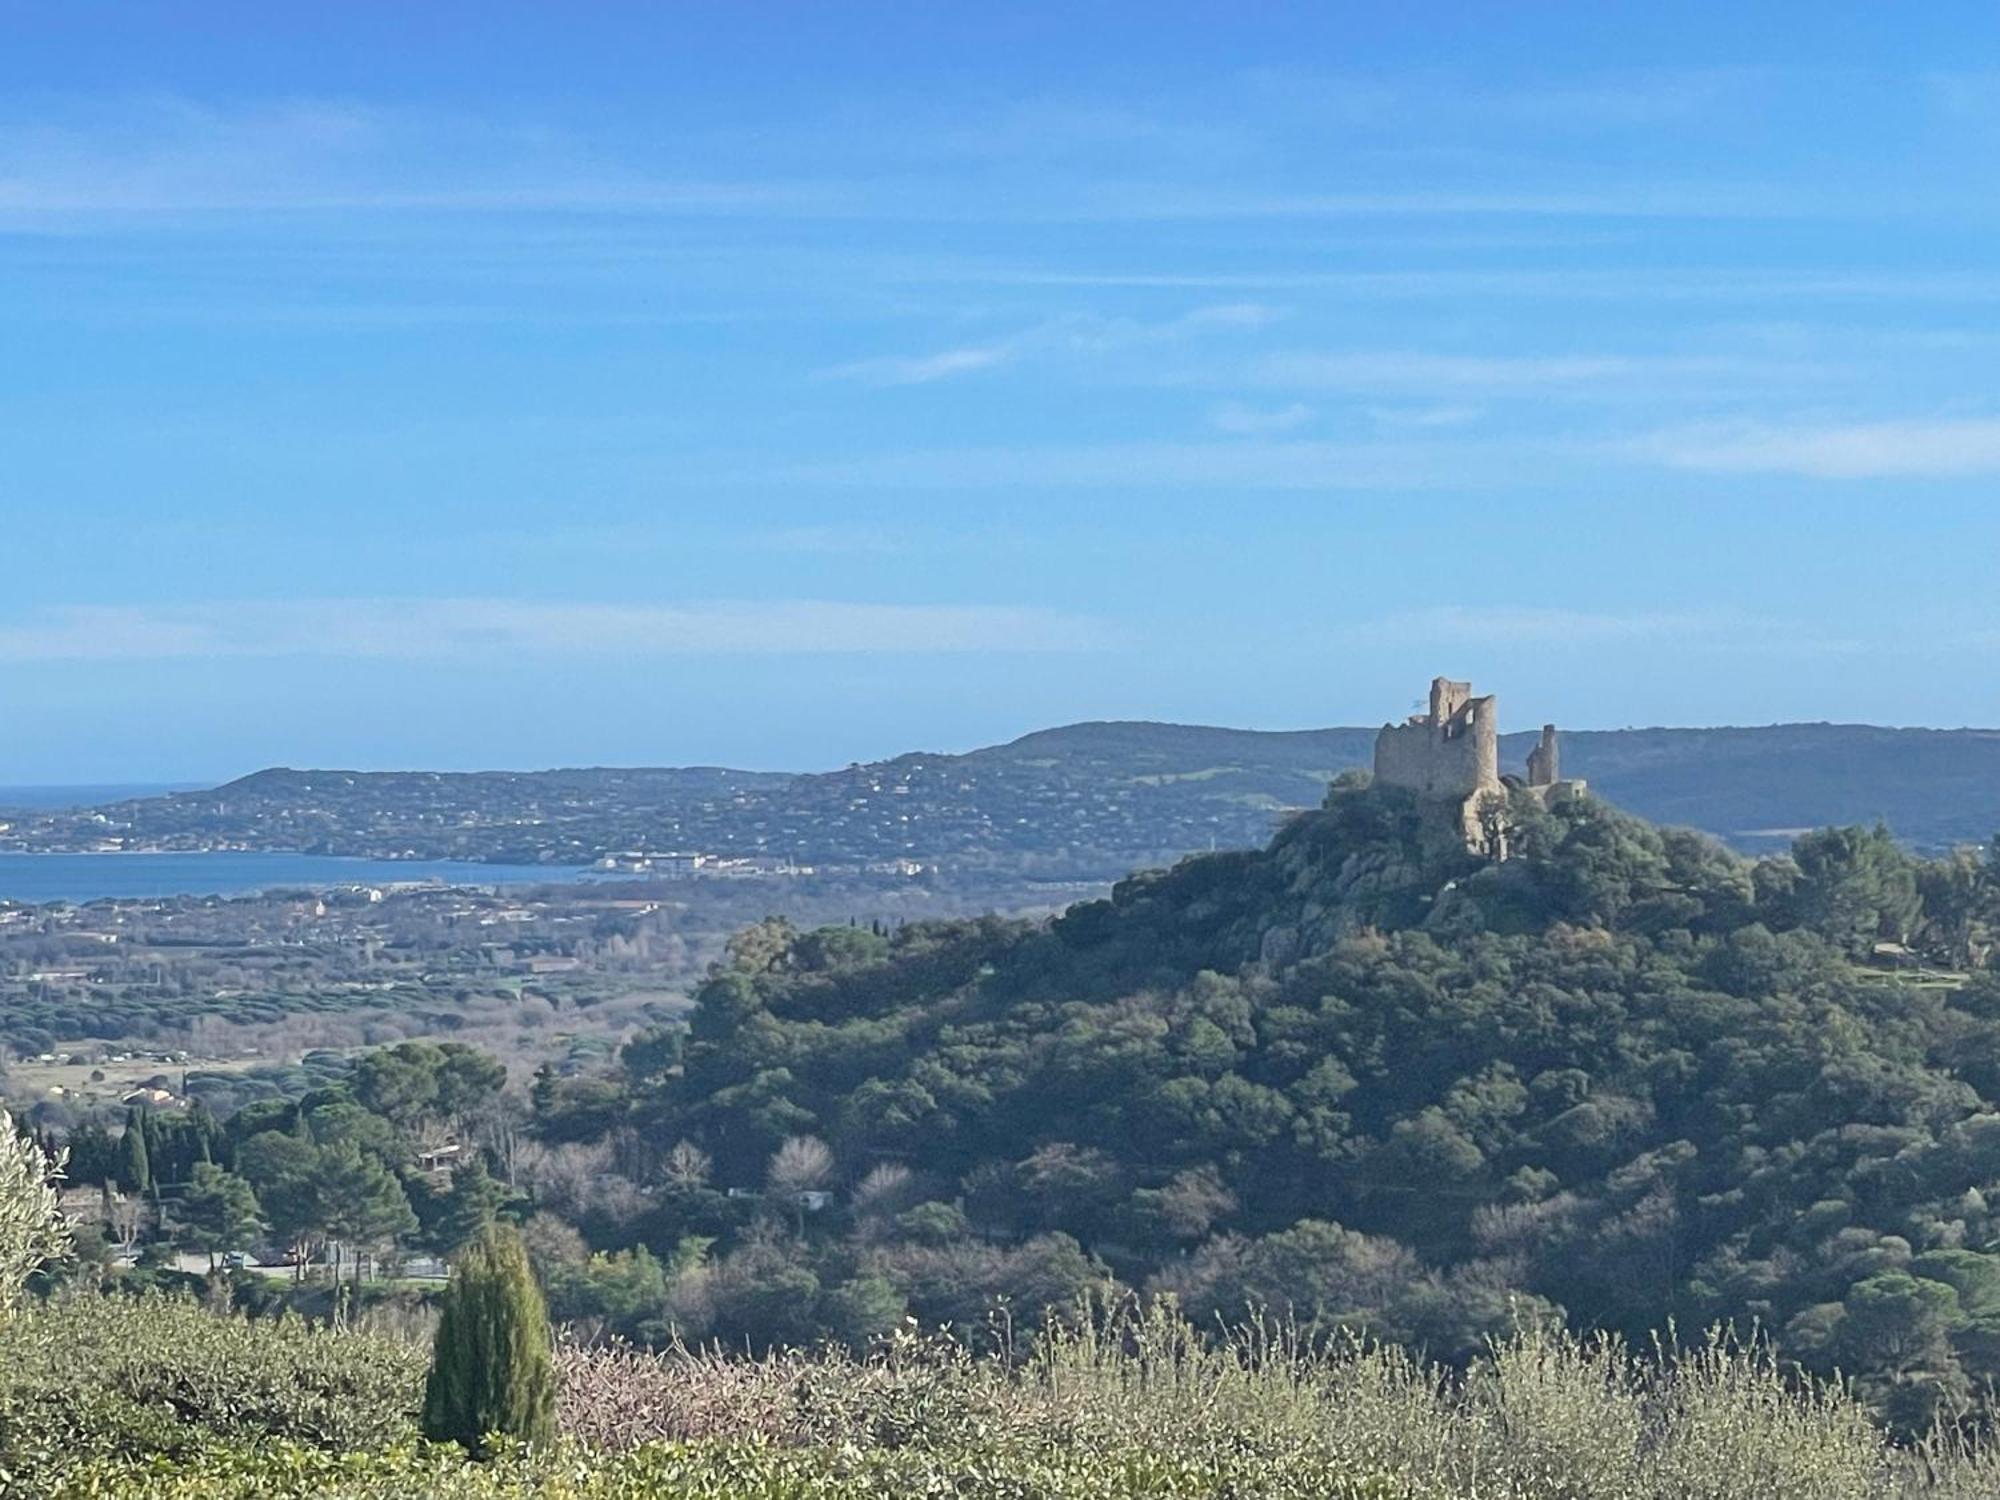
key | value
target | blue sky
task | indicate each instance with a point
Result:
(499, 385)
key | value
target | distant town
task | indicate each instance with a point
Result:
(1086, 803)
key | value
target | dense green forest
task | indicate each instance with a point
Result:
(1625, 1077)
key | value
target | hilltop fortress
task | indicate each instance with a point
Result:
(1452, 754)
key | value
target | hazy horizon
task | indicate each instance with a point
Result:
(56, 793)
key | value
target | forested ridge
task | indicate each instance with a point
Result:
(1625, 1077)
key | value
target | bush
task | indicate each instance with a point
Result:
(491, 1371)
(32, 1229)
(1129, 1406)
(117, 1377)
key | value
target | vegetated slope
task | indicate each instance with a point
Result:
(1759, 787)
(1625, 1075)
(1085, 802)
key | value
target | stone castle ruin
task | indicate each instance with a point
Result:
(1452, 754)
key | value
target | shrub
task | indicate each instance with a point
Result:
(1121, 1407)
(491, 1371)
(32, 1229)
(115, 1376)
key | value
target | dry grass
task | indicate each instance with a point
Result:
(1547, 1417)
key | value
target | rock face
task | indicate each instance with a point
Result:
(1452, 754)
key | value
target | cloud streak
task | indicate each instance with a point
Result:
(1539, 626)
(1663, 202)
(1079, 336)
(920, 369)
(171, 158)
(1425, 373)
(1959, 448)
(488, 629)
(1251, 464)
(1240, 420)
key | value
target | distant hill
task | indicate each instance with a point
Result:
(1751, 787)
(1083, 802)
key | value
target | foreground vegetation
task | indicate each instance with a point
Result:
(164, 1399)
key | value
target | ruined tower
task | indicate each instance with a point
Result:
(1544, 763)
(1452, 754)
(1454, 750)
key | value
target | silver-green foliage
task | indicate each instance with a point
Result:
(1119, 1408)
(32, 1228)
(1546, 1416)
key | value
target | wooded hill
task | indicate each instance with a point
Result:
(1622, 1078)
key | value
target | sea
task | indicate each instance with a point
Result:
(41, 878)
(94, 795)
(78, 878)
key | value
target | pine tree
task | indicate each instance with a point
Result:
(470, 1208)
(492, 1372)
(219, 1212)
(361, 1202)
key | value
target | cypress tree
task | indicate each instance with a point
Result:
(159, 1152)
(135, 1169)
(492, 1371)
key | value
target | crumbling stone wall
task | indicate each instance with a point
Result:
(1454, 750)
(1544, 763)
(1452, 753)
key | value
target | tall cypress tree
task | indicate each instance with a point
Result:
(159, 1151)
(492, 1371)
(135, 1163)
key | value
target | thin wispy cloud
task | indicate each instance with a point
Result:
(1426, 373)
(488, 629)
(1688, 283)
(173, 158)
(1959, 448)
(855, 540)
(1240, 420)
(920, 369)
(1541, 626)
(1248, 465)
(1640, 101)
(1663, 202)
(1455, 102)
(1422, 417)
(1080, 335)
